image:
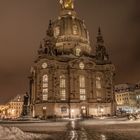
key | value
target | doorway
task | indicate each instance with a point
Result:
(83, 111)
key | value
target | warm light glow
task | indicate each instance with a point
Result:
(45, 88)
(75, 29)
(62, 87)
(82, 89)
(103, 137)
(72, 111)
(102, 110)
(98, 82)
(44, 108)
(67, 4)
(82, 81)
(13, 112)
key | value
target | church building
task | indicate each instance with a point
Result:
(70, 77)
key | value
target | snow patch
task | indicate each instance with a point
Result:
(14, 133)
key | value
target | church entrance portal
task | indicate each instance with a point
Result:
(83, 111)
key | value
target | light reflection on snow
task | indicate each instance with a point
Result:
(103, 137)
(77, 134)
(74, 135)
(14, 133)
(73, 132)
(73, 124)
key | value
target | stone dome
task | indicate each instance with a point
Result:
(71, 33)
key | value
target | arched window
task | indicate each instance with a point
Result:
(98, 82)
(62, 87)
(98, 86)
(82, 81)
(45, 87)
(82, 87)
(75, 29)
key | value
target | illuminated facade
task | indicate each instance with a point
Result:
(69, 79)
(125, 95)
(4, 111)
(12, 109)
(15, 107)
(137, 92)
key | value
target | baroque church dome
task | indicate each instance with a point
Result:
(72, 36)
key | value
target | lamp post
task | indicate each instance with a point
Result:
(102, 110)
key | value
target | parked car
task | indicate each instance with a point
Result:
(134, 116)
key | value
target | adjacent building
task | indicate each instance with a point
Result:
(127, 97)
(12, 109)
(137, 92)
(15, 107)
(71, 77)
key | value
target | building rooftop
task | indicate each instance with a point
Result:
(18, 98)
(124, 88)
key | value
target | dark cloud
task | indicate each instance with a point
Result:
(23, 25)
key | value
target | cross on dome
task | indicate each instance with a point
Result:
(67, 4)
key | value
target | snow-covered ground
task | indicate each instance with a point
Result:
(95, 129)
(14, 133)
(32, 130)
(39, 127)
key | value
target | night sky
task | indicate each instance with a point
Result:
(23, 24)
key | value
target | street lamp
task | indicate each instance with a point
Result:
(102, 110)
(72, 113)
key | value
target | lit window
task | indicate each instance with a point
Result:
(98, 87)
(45, 90)
(63, 94)
(98, 93)
(75, 30)
(82, 87)
(45, 87)
(62, 87)
(45, 97)
(98, 82)
(62, 81)
(45, 78)
(83, 108)
(44, 107)
(56, 31)
(82, 94)
(78, 51)
(82, 81)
